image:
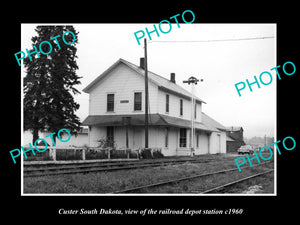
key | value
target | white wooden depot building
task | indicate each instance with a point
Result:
(117, 107)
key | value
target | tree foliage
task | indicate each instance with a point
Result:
(49, 83)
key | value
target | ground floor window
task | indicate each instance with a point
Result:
(197, 139)
(182, 137)
(110, 136)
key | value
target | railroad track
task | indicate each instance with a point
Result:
(47, 170)
(173, 181)
(235, 182)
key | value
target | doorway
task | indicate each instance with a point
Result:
(138, 137)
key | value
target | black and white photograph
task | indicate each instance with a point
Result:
(183, 113)
(152, 113)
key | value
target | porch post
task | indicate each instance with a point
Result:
(52, 153)
(127, 141)
(126, 122)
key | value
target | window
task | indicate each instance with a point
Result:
(181, 107)
(182, 137)
(110, 136)
(195, 109)
(166, 137)
(110, 102)
(167, 103)
(197, 140)
(137, 101)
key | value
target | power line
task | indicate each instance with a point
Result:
(216, 40)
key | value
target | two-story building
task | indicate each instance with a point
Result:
(117, 108)
(235, 138)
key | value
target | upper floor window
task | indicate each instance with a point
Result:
(181, 107)
(167, 103)
(110, 102)
(137, 101)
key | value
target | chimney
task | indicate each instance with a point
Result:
(142, 63)
(172, 78)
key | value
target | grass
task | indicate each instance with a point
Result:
(266, 182)
(201, 184)
(108, 182)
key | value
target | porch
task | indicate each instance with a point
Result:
(171, 135)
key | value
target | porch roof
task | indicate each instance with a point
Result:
(139, 120)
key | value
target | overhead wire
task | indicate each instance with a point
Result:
(218, 40)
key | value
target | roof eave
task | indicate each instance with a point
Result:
(88, 88)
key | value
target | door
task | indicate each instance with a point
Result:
(219, 143)
(138, 137)
(110, 140)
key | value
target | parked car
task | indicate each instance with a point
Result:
(245, 149)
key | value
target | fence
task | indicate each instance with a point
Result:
(79, 153)
(90, 153)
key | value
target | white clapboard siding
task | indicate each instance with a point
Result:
(123, 82)
(174, 106)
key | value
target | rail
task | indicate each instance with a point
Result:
(182, 179)
(235, 182)
(34, 170)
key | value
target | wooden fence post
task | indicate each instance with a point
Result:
(108, 153)
(128, 151)
(52, 153)
(83, 154)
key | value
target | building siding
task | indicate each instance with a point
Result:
(237, 136)
(217, 142)
(174, 106)
(122, 82)
(203, 143)
(96, 133)
(80, 140)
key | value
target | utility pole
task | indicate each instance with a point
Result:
(265, 140)
(126, 123)
(192, 80)
(146, 95)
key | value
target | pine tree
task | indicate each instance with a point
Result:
(49, 82)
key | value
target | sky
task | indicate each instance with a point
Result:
(192, 50)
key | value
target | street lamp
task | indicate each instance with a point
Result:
(192, 80)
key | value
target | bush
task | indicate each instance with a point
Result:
(133, 155)
(118, 154)
(106, 143)
(156, 153)
(146, 153)
(39, 156)
(95, 154)
(68, 154)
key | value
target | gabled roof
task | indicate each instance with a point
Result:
(234, 128)
(229, 138)
(156, 79)
(208, 121)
